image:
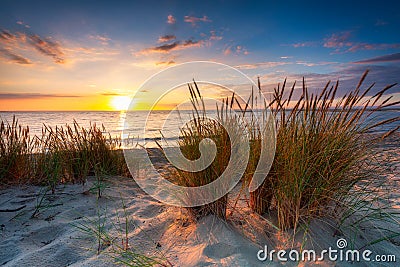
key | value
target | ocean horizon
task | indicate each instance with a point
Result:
(113, 122)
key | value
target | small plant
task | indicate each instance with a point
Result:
(42, 203)
(96, 228)
(100, 184)
(101, 230)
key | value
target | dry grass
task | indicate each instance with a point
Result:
(59, 155)
(322, 151)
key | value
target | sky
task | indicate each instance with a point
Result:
(94, 55)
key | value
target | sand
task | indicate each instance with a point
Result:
(52, 238)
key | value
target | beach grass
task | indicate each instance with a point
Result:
(198, 129)
(58, 155)
(324, 152)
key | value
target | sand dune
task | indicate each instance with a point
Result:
(52, 238)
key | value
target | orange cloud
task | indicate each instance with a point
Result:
(171, 19)
(32, 96)
(12, 57)
(165, 63)
(194, 20)
(235, 49)
(45, 46)
(104, 40)
(227, 51)
(166, 38)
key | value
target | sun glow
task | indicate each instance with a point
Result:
(120, 102)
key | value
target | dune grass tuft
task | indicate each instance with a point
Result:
(58, 155)
(323, 151)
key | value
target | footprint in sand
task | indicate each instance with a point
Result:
(219, 250)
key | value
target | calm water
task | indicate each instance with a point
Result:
(114, 121)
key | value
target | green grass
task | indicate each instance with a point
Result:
(112, 237)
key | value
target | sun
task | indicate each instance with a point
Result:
(120, 102)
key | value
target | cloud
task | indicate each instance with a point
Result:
(268, 64)
(47, 47)
(171, 19)
(194, 20)
(111, 94)
(235, 49)
(31, 95)
(348, 77)
(313, 64)
(338, 40)
(165, 48)
(177, 45)
(386, 58)
(21, 41)
(12, 57)
(104, 40)
(241, 50)
(214, 36)
(227, 51)
(19, 22)
(165, 63)
(192, 43)
(380, 22)
(366, 46)
(342, 44)
(304, 44)
(166, 38)
(7, 37)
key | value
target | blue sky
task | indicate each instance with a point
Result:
(53, 53)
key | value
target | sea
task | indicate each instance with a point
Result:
(158, 124)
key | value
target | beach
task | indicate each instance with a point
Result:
(54, 235)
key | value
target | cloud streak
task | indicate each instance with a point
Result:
(33, 96)
(166, 63)
(303, 44)
(194, 20)
(10, 42)
(47, 47)
(166, 38)
(14, 58)
(177, 45)
(386, 58)
(104, 40)
(268, 64)
(342, 44)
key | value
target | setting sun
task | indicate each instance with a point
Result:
(120, 102)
